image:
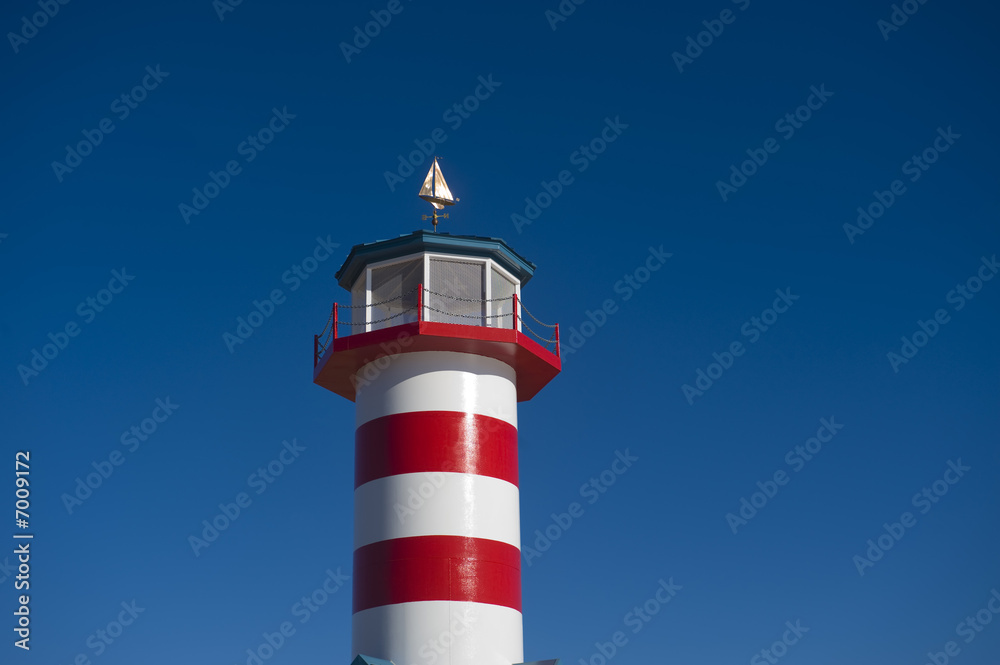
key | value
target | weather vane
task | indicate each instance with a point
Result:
(435, 191)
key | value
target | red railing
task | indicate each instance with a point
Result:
(333, 323)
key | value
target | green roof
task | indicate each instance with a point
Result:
(428, 241)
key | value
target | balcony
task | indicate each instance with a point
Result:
(424, 319)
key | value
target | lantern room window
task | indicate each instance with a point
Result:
(457, 289)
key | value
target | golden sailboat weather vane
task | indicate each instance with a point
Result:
(435, 191)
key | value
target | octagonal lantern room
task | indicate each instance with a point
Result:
(464, 289)
(435, 291)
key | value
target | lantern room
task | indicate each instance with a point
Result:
(434, 291)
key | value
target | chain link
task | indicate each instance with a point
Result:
(525, 325)
(466, 316)
(533, 316)
(322, 346)
(327, 323)
(435, 293)
(388, 318)
(384, 302)
(325, 344)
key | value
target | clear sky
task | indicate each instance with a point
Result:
(190, 156)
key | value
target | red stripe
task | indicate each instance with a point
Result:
(423, 441)
(404, 570)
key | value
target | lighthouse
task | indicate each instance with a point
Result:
(436, 349)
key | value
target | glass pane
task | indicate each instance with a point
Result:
(501, 301)
(458, 292)
(394, 293)
(358, 302)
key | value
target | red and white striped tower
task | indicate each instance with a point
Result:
(436, 363)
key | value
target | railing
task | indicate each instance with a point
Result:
(322, 341)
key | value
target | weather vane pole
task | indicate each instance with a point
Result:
(435, 191)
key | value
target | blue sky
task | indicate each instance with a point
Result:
(864, 100)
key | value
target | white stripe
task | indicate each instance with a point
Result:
(439, 632)
(436, 381)
(436, 504)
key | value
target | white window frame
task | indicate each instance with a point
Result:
(514, 280)
(488, 266)
(454, 257)
(368, 280)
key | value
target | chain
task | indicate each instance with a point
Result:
(384, 302)
(324, 345)
(321, 349)
(533, 316)
(464, 316)
(327, 323)
(525, 325)
(441, 295)
(388, 318)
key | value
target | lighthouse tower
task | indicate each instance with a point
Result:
(440, 350)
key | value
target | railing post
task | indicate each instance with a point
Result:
(515, 312)
(557, 342)
(315, 350)
(420, 303)
(336, 319)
